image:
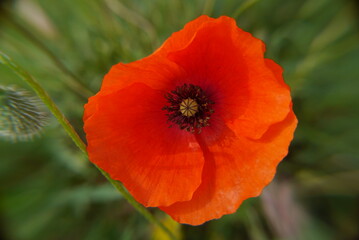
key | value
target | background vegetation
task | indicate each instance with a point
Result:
(48, 189)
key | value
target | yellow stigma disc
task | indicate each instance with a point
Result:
(188, 107)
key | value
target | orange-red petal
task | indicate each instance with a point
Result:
(229, 65)
(194, 178)
(182, 38)
(155, 71)
(235, 169)
(129, 138)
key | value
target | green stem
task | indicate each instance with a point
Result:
(243, 7)
(136, 205)
(208, 7)
(73, 82)
(45, 98)
(76, 138)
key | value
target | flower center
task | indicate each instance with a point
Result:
(189, 108)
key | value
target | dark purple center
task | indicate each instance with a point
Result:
(189, 108)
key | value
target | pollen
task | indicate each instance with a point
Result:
(189, 107)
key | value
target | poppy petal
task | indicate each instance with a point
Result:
(231, 68)
(244, 119)
(154, 71)
(182, 38)
(277, 71)
(129, 138)
(235, 169)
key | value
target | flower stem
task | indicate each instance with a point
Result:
(77, 140)
(73, 82)
(243, 7)
(45, 98)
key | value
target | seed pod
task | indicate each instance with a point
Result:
(21, 115)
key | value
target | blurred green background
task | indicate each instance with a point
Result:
(48, 189)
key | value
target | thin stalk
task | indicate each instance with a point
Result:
(208, 7)
(243, 7)
(73, 82)
(76, 138)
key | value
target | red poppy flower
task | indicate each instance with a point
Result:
(198, 126)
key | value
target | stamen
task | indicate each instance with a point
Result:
(189, 108)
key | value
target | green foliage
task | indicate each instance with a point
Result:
(49, 191)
